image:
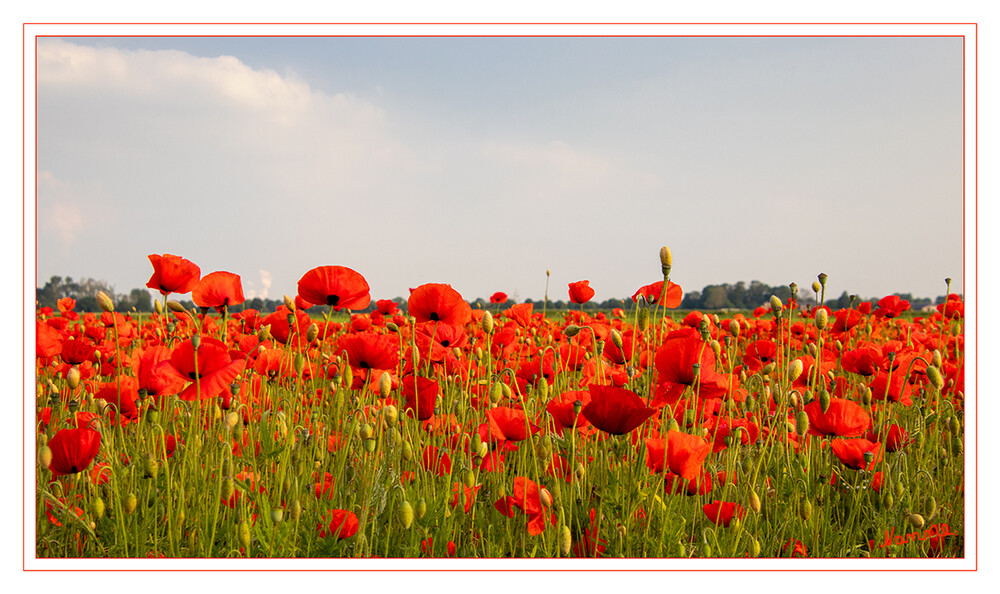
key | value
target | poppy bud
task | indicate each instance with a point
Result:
(805, 508)
(866, 397)
(755, 546)
(565, 540)
(105, 302)
(801, 423)
(487, 323)
(934, 376)
(822, 319)
(776, 305)
(917, 521)
(642, 318)
(312, 332)
(130, 503)
(385, 387)
(73, 377)
(277, 514)
(97, 507)
(767, 369)
(196, 341)
(392, 327)
(369, 445)
(716, 348)
(295, 511)
(407, 452)
(150, 466)
(794, 370)
(816, 287)
(348, 377)
(666, 260)
(734, 328)
(421, 508)
(244, 533)
(390, 413)
(545, 497)
(228, 487)
(404, 513)
(505, 390)
(580, 471)
(754, 501)
(571, 330)
(616, 338)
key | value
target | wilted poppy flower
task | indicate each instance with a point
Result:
(580, 292)
(218, 290)
(615, 410)
(435, 302)
(722, 512)
(851, 452)
(337, 286)
(343, 523)
(843, 418)
(215, 369)
(652, 293)
(173, 274)
(73, 450)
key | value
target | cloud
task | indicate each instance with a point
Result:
(64, 213)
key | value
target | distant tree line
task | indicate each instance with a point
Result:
(725, 296)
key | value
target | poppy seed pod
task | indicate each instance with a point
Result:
(822, 279)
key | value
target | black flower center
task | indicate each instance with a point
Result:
(332, 299)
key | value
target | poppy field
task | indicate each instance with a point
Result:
(432, 429)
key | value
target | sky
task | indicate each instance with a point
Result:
(485, 162)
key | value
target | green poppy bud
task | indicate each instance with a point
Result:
(404, 514)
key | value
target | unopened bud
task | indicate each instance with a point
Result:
(805, 508)
(571, 330)
(616, 338)
(734, 328)
(45, 456)
(934, 376)
(105, 302)
(487, 323)
(794, 370)
(130, 503)
(917, 521)
(754, 501)
(289, 303)
(801, 423)
(420, 509)
(776, 305)
(150, 466)
(822, 318)
(385, 388)
(244, 533)
(312, 332)
(404, 513)
(816, 286)
(73, 377)
(565, 541)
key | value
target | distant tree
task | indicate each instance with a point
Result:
(716, 297)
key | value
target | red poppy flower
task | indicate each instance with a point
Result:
(421, 396)
(73, 450)
(434, 302)
(370, 351)
(722, 512)
(218, 290)
(436, 460)
(509, 424)
(684, 454)
(891, 306)
(897, 438)
(561, 408)
(122, 393)
(719, 429)
(386, 307)
(153, 378)
(520, 313)
(865, 360)
(844, 320)
(675, 360)
(894, 387)
(653, 292)
(758, 354)
(851, 452)
(527, 498)
(580, 292)
(75, 352)
(215, 369)
(336, 286)
(498, 297)
(615, 410)
(173, 274)
(343, 523)
(436, 340)
(843, 418)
